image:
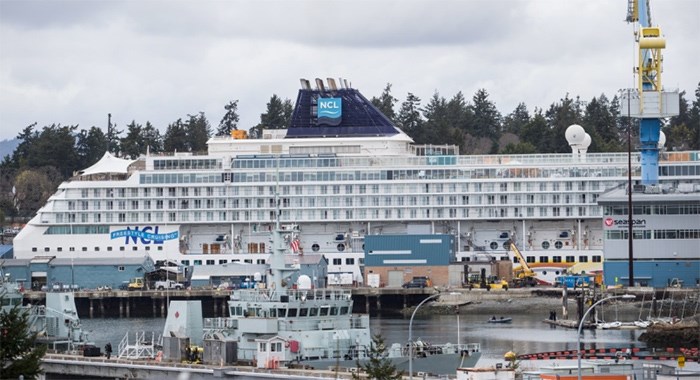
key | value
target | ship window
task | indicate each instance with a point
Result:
(544, 259)
(292, 313)
(84, 249)
(350, 261)
(583, 259)
(334, 310)
(160, 248)
(97, 249)
(134, 248)
(530, 259)
(121, 248)
(597, 259)
(185, 262)
(59, 249)
(313, 312)
(148, 248)
(72, 249)
(223, 261)
(34, 249)
(47, 249)
(109, 249)
(303, 312)
(570, 259)
(198, 262)
(556, 259)
(324, 311)
(211, 262)
(344, 310)
(337, 261)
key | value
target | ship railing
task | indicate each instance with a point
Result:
(354, 322)
(421, 347)
(220, 323)
(266, 295)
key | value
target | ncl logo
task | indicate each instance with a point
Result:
(144, 235)
(329, 111)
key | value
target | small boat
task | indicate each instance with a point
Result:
(609, 325)
(500, 320)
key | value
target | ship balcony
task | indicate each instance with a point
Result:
(220, 323)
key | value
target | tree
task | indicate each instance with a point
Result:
(113, 136)
(409, 118)
(175, 138)
(385, 103)
(152, 140)
(230, 120)
(198, 132)
(559, 117)
(91, 145)
(19, 356)
(600, 121)
(379, 366)
(131, 143)
(517, 119)
(487, 119)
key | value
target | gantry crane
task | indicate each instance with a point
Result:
(648, 102)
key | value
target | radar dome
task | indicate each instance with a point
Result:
(575, 134)
(662, 139)
(586, 141)
(304, 282)
(257, 277)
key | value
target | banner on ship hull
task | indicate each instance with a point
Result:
(143, 235)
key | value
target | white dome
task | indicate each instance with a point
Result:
(575, 134)
(662, 139)
(257, 277)
(304, 282)
(586, 141)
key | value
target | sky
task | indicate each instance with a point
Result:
(72, 61)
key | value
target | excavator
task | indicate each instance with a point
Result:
(522, 276)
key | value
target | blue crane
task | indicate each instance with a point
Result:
(649, 102)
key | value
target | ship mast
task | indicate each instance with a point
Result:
(278, 269)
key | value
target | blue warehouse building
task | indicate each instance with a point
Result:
(48, 272)
(665, 236)
(398, 258)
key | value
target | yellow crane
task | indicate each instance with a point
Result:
(523, 275)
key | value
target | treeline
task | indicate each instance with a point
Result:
(49, 155)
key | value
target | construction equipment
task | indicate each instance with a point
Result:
(523, 275)
(136, 283)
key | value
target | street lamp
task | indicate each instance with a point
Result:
(410, 334)
(580, 325)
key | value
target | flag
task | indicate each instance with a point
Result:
(295, 245)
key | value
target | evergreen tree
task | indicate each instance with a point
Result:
(535, 132)
(175, 138)
(91, 145)
(487, 119)
(409, 118)
(437, 127)
(517, 119)
(559, 117)
(379, 366)
(113, 136)
(19, 355)
(198, 132)
(278, 116)
(132, 143)
(230, 120)
(385, 103)
(694, 120)
(601, 124)
(152, 140)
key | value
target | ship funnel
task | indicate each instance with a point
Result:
(342, 85)
(305, 85)
(319, 85)
(331, 84)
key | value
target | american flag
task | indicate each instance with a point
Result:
(294, 245)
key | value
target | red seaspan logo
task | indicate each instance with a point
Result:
(609, 222)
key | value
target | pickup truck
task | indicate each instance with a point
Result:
(168, 284)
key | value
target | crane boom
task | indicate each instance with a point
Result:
(524, 275)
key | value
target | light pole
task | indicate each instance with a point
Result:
(580, 325)
(410, 334)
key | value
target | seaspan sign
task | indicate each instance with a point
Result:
(624, 223)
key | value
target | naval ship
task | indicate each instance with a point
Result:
(344, 171)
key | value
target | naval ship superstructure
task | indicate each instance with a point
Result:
(343, 171)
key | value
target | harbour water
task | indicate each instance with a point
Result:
(526, 334)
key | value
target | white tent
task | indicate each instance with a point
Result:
(108, 164)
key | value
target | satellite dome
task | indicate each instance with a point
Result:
(304, 282)
(662, 139)
(257, 276)
(586, 141)
(575, 134)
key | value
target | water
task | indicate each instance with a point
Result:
(526, 334)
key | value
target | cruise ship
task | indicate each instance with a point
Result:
(343, 171)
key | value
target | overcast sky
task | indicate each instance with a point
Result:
(73, 62)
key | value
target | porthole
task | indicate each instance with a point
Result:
(315, 247)
(494, 245)
(558, 244)
(341, 247)
(545, 245)
(506, 245)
